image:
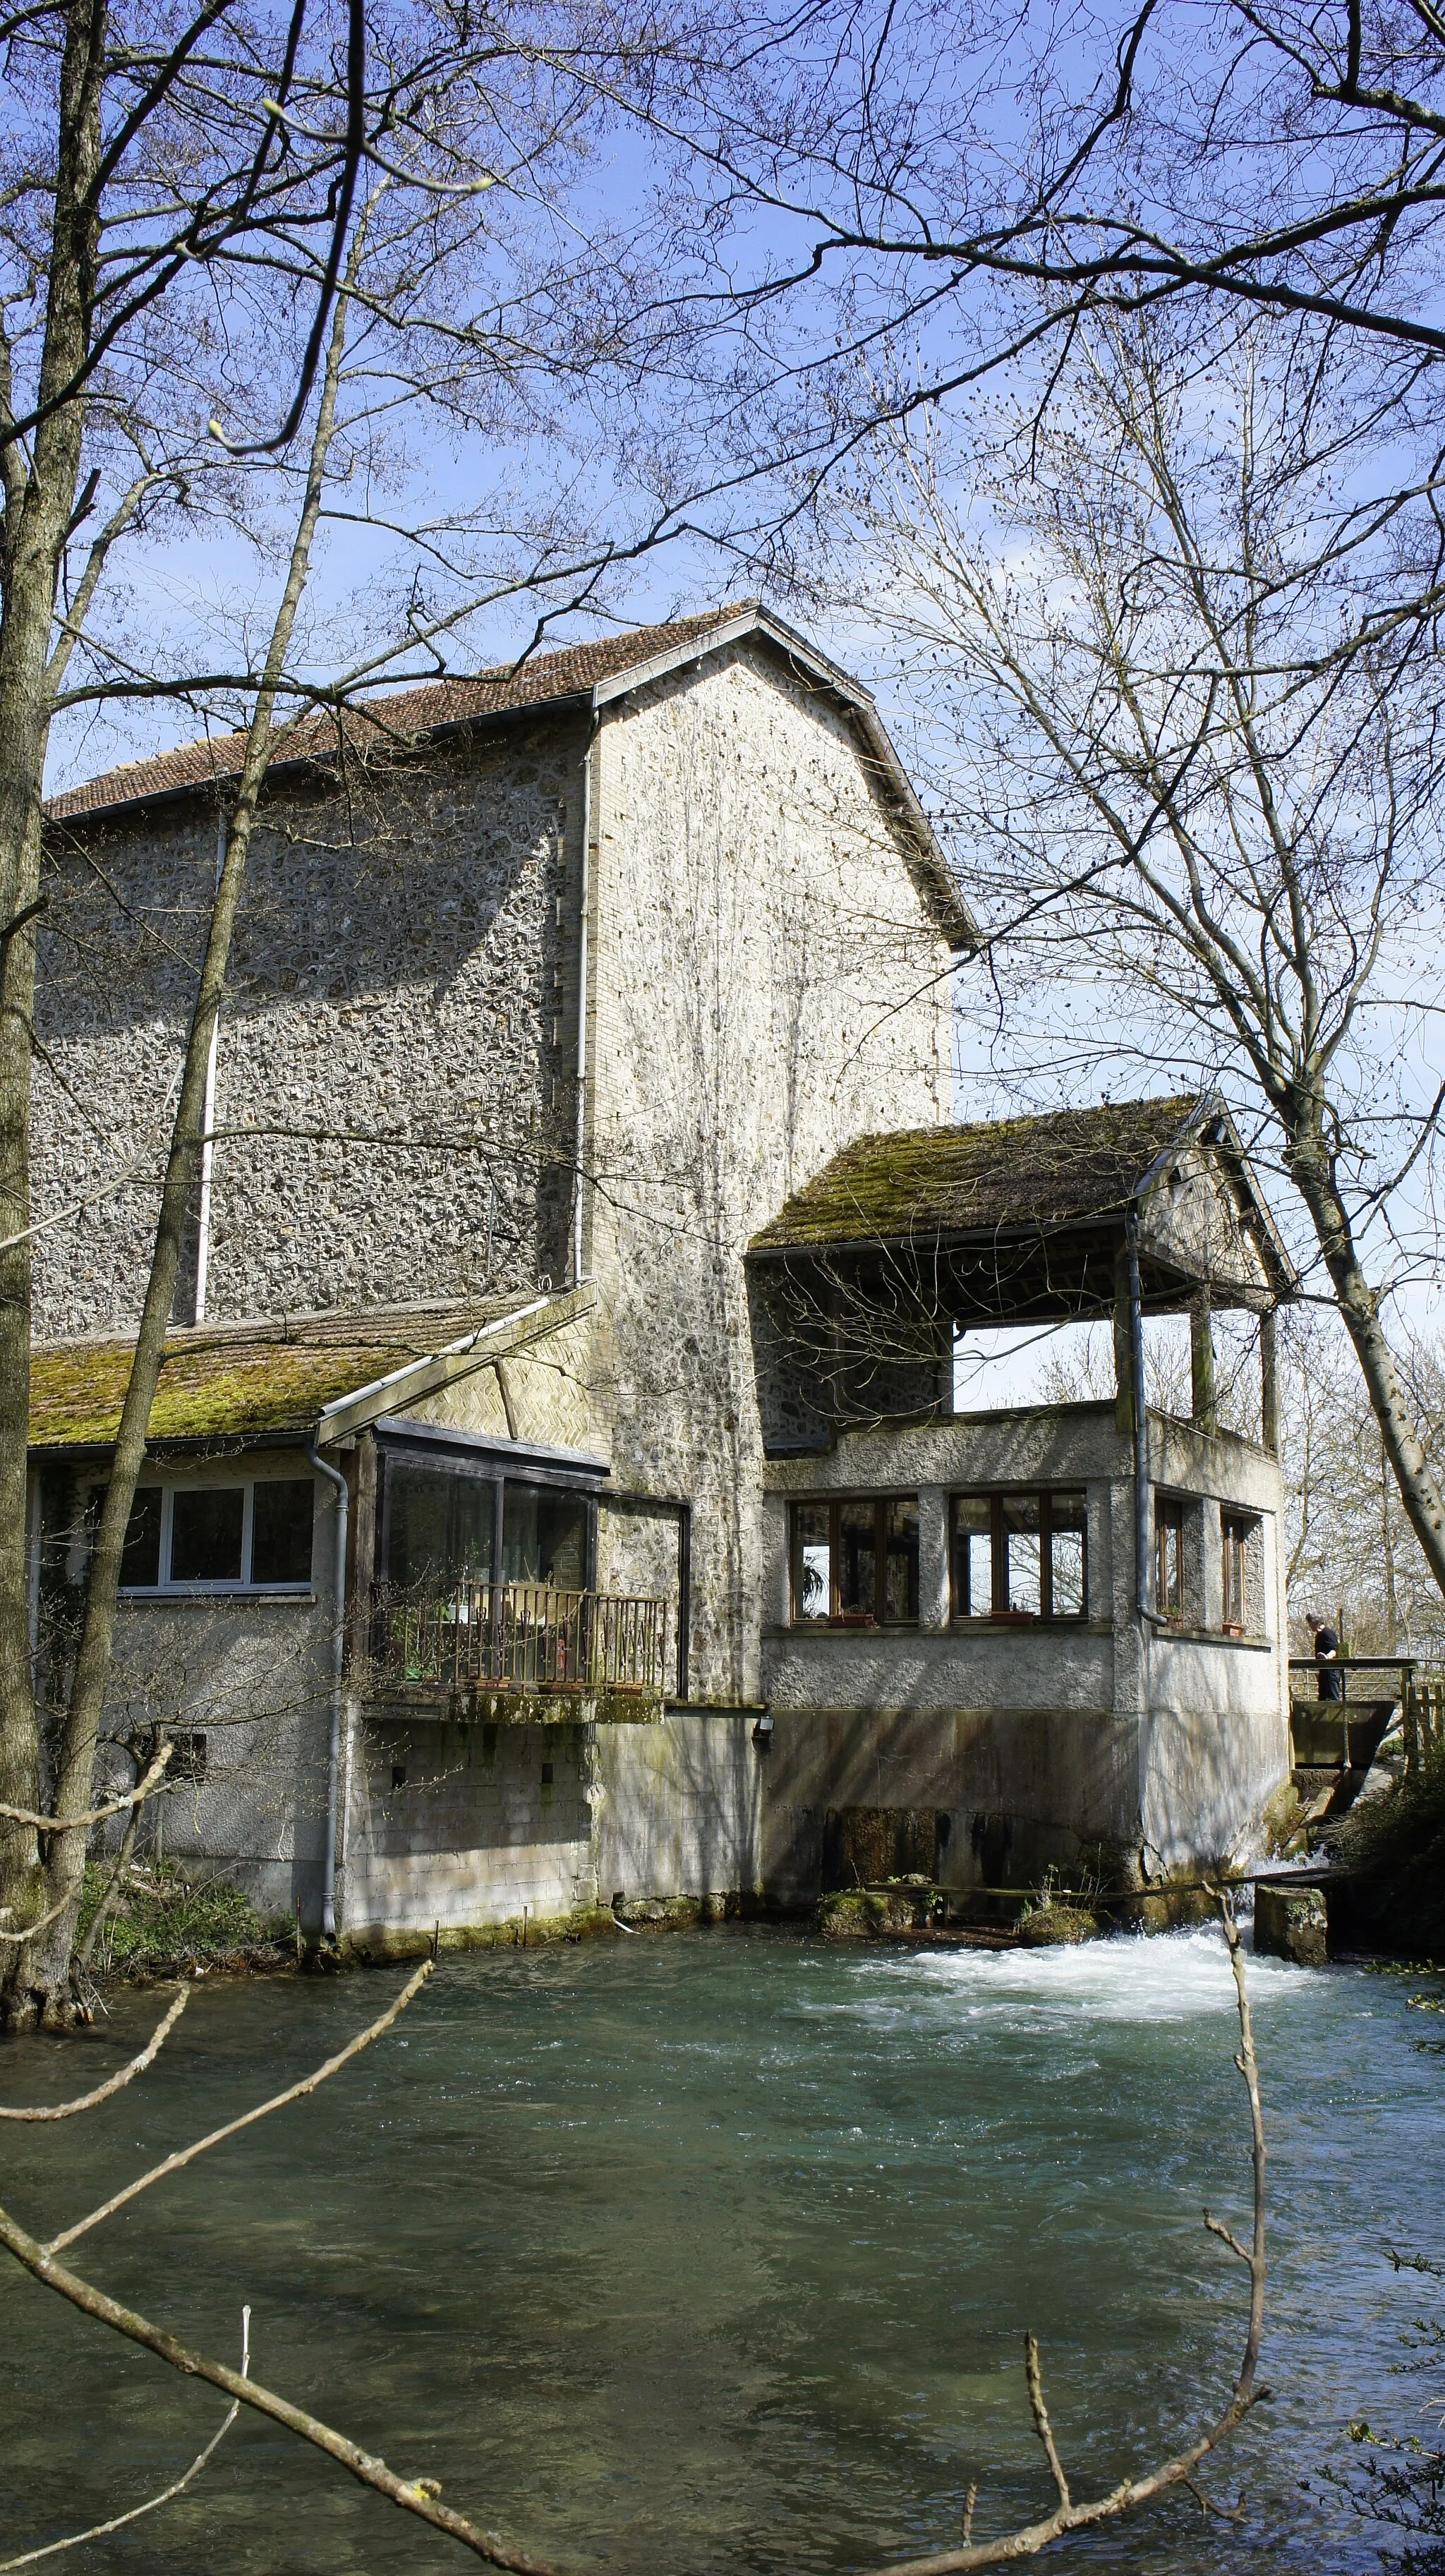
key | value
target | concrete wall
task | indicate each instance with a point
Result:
(253, 1673)
(1038, 1742)
(766, 984)
(474, 1829)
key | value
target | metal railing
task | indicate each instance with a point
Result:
(522, 1637)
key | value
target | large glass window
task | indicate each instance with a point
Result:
(854, 1561)
(544, 1536)
(221, 1537)
(441, 1529)
(1020, 1556)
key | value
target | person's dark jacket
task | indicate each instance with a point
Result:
(1331, 1679)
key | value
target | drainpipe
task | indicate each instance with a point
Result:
(1143, 1588)
(335, 1478)
(584, 899)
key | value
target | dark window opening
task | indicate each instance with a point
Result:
(207, 1528)
(188, 1757)
(281, 1530)
(1020, 1556)
(140, 1562)
(398, 1775)
(854, 1562)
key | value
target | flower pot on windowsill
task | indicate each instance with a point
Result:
(854, 1619)
(1017, 1618)
(1234, 1627)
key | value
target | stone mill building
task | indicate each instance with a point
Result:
(556, 1491)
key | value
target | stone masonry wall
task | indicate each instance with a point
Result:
(766, 985)
(404, 968)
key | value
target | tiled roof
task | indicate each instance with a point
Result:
(932, 1182)
(379, 723)
(239, 1380)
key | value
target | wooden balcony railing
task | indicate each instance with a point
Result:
(522, 1637)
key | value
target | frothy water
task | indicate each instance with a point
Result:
(717, 2252)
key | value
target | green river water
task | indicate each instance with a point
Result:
(716, 2251)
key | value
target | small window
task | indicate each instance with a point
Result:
(854, 1562)
(219, 1537)
(1238, 1532)
(1020, 1556)
(1168, 1556)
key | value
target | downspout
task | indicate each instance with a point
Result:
(584, 900)
(1143, 1587)
(335, 1478)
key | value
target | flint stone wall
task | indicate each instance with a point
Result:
(404, 966)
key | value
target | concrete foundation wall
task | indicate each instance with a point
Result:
(679, 1808)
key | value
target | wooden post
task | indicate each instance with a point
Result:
(1269, 1382)
(1201, 1366)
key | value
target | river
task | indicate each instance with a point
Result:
(716, 2251)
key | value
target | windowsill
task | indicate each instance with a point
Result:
(176, 1595)
(952, 1629)
(1187, 1636)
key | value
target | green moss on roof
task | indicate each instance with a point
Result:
(930, 1181)
(236, 1380)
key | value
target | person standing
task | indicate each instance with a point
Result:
(1326, 1644)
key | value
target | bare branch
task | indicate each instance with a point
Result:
(178, 2486)
(114, 2083)
(293, 2093)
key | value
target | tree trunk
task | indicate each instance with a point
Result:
(1312, 1173)
(38, 507)
(43, 1987)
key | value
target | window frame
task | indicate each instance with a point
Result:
(485, 1465)
(834, 1505)
(1236, 1529)
(998, 1612)
(1169, 1516)
(222, 1586)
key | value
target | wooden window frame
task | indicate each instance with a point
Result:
(998, 1611)
(1169, 1511)
(237, 1587)
(834, 1504)
(1236, 1529)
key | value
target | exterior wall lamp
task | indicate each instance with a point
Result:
(763, 1731)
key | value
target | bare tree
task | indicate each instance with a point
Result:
(421, 2496)
(1199, 781)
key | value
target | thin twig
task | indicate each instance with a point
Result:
(114, 2083)
(293, 2093)
(1041, 2418)
(413, 2495)
(1133, 2492)
(100, 2530)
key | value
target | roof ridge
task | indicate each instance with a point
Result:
(208, 757)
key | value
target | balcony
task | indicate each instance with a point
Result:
(479, 1644)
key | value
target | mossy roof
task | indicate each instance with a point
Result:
(931, 1183)
(247, 1380)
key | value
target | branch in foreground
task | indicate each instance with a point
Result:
(113, 2083)
(93, 1815)
(118, 2521)
(1133, 2492)
(293, 2093)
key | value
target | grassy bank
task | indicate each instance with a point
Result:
(163, 1922)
